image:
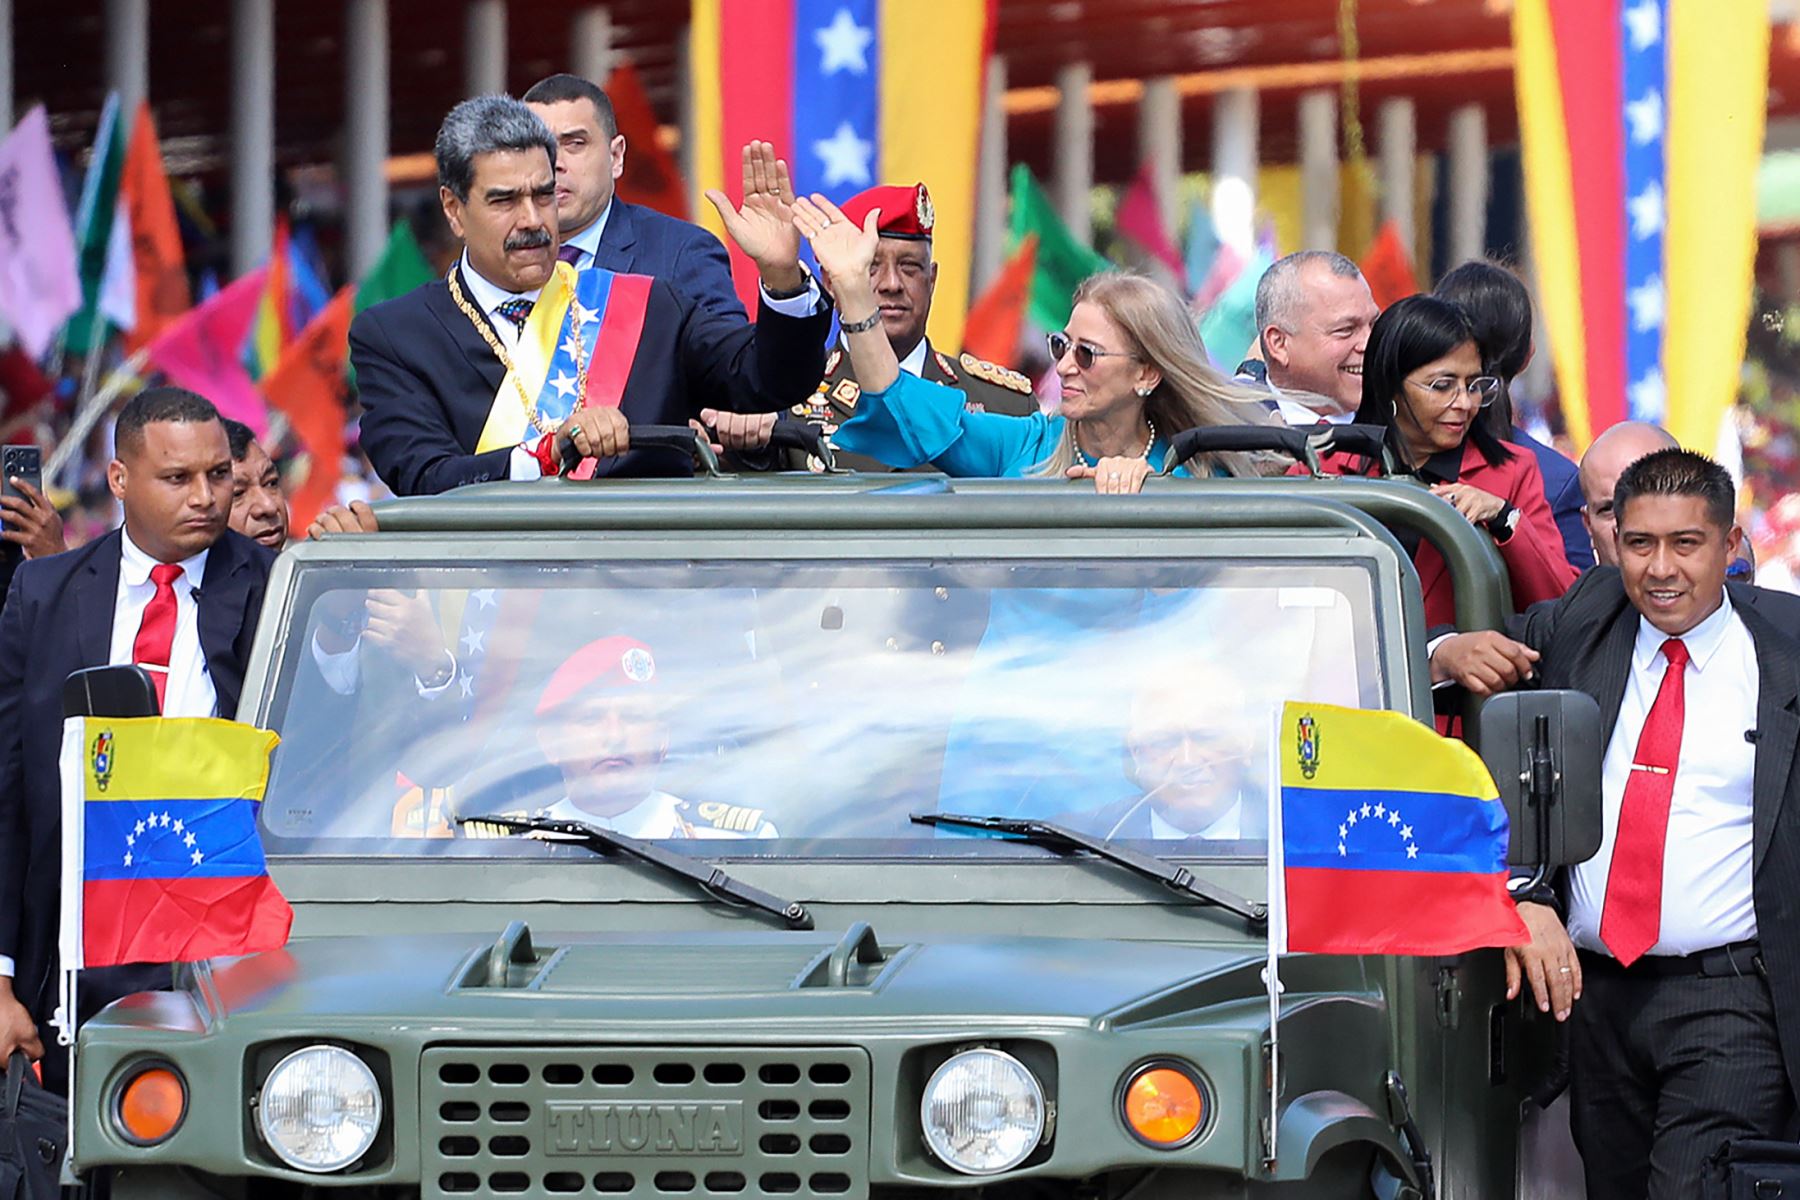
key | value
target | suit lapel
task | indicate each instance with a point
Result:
(462, 331)
(1777, 719)
(96, 594)
(1612, 665)
(221, 616)
(618, 241)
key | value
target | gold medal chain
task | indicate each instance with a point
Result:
(487, 335)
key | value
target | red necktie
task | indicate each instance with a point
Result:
(156, 633)
(1631, 920)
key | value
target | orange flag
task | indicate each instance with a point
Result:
(307, 386)
(651, 176)
(991, 330)
(1388, 267)
(162, 286)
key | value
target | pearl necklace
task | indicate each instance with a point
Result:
(1089, 461)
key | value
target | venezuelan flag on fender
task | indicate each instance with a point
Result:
(580, 341)
(852, 93)
(162, 861)
(1642, 128)
(1387, 839)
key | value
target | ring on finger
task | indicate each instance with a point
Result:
(1565, 970)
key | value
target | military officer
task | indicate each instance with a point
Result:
(905, 277)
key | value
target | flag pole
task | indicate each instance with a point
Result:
(91, 409)
(1277, 936)
(69, 940)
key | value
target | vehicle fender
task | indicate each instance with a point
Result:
(1317, 1123)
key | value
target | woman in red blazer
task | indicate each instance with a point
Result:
(1424, 380)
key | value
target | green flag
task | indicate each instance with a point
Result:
(1062, 262)
(94, 219)
(1229, 326)
(400, 269)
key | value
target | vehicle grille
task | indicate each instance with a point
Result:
(644, 1122)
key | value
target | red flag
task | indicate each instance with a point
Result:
(307, 385)
(162, 285)
(203, 350)
(1140, 219)
(1388, 267)
(651, 176)
(994, 321)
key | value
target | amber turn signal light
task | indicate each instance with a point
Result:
(151, 1105)
(1164, 1106)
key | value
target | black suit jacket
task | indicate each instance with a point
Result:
(642, 241)
(58, 620)
(1585, 641)
(426, 379)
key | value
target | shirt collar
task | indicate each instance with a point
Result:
(914, 363)
(135, 564)
(589, 239)
(1443, 467)
(489, 296)
(1702, 641)
(1226, 827)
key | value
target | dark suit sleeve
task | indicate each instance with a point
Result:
(703, 271)
(12, 790)
(1566, 506)
(405, 431)
(765, 367)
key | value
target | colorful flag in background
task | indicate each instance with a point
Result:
(203, 350)
(273, 328)
(1062, 262)
(1385, 839)
(307, 386)
(161, 265)
(40, 282)
(1202, 247)
(852, 93)
(1228, 325)
(162, 859)
(400, 269)
(652, 177)
(1140, 220)
(998, 314)
(103, 240)
(1642, 129)
(1388, 267)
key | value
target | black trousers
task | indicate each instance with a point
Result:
(1664, 1071)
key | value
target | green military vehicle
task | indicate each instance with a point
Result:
(707, 938)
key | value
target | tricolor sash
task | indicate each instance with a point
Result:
(548, 358)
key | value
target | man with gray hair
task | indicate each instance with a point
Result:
(1313, 313)
(462, 380)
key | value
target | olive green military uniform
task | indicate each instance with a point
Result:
(987, 387)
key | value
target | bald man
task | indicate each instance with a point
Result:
(1615, 449)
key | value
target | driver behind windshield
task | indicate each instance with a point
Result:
(603, 721)
(1190, 747)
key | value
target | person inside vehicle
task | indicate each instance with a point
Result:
(1617, 447)
(1313, 312)
(259, 508)
(1132, 366)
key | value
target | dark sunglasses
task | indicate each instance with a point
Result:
(1061, 344)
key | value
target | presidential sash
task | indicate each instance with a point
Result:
(588, 320)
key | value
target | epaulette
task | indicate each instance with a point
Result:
(733, 818)
(996, 374)
(487, 829)
(945, 365)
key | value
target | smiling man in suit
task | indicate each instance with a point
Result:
(175, 592)
(464, 380)
(1683, 932)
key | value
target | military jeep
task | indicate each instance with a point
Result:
(801, 978)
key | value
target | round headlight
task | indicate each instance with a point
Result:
(320, 1109)
(983, 1112)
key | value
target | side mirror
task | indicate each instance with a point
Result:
(110, 692)
(1544, 749)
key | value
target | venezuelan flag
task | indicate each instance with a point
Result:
(851, 93)
(1391, 839)
(1642, 127)
(162, 861)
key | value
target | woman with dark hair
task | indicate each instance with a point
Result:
(1499, 309)
(1423, 378)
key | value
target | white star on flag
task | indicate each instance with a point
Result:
(484, 598)
(572, 347)
(1412, 852)
(1648, 396)
(843, 45)
(1381, 810)
(472, 641)
(189, 841)
(845, 157)
(196, 856)
(585, 315)
(1343, 831)
(1643, 24)
(1646, 211)
(1393, 816)
(178, 825)
(467, 683)
(1365, 810)
(140, 828)
(1406, 832)
(1645, 116)
(1646, 301)
(564, 383)
(128, 858)
(1341, 850)
(131, 839)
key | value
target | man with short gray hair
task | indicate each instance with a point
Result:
(1313, 314)
(462, 380)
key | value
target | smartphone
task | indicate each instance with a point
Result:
(19, 462)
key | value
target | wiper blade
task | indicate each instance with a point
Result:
(1173, 876)
(704, 875)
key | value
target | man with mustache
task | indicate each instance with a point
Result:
(259, 508)
(454, 376)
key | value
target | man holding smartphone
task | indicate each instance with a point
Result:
(30, 526)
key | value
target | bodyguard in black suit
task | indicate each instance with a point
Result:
(1679, 971)
(428, 364)
(64, 614)
(596, 227)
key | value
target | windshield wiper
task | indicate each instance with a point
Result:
(704, 875)
(1061, 838)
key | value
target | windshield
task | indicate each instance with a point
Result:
(802, 709)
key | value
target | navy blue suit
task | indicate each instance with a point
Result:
(427, 379)
(642, 241)
(59, 620)
(1562, 489)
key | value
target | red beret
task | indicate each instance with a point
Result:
(609, 665)
(905, 211)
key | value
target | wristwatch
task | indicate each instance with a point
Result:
(1501, 525)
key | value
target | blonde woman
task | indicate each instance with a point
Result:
(1133, 370)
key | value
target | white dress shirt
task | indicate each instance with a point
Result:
(189, 692)
(914, 363)
(588, 240)
(1227, 826)
(1706, 898)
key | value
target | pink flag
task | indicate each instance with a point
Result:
(1140, 219)
(203, 350)
(39, 283)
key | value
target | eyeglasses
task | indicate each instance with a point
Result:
(1060, 344)
(1483, 389)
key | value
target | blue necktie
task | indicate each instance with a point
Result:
(516, 310)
